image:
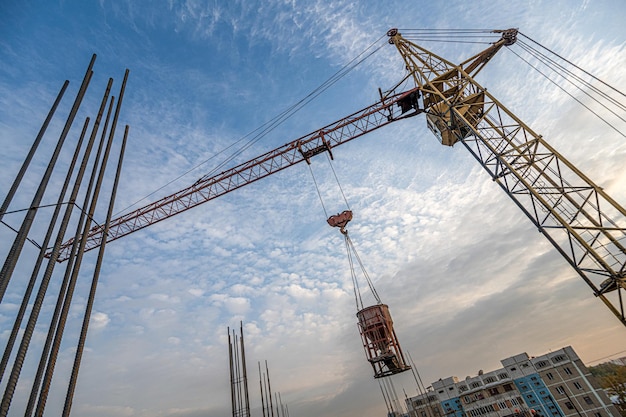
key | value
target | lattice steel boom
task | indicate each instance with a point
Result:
(389, 109)
(582, 222)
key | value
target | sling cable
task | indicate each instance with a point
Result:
(381, 345)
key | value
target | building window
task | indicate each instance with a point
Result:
(550, 376)
(462, 388)
(560, 390)
(577, 385)
(490, 379)
(514, 401)
(558, 358)
(503, 375)
(507, 387)
(568, 371)
(502, 405)
(475, 384)
(588, 400)
(569, 405)
(541, 364)
(598, 414)
(493, 391)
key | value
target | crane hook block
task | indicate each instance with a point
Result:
(340, 220)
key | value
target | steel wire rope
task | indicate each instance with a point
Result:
(35, 243)
(448, 35)
(355, 281)
(318, 191)
(446, 32)
(338, 183)
(568, 93)
(421, 39)
(365, 274)
(550, 63)
(606, 357)
(282, 117)
(574, 65)
(537, 53)
(271, 124)
(350, 249)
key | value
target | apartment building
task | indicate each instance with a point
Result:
(556, 384)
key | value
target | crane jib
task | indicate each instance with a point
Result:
(388, 110)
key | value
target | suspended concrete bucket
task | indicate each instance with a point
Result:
(382, 348)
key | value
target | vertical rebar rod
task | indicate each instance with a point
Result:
(269, 387)
(261, 388)
(31, 153)
(277, 405)
(384, 397)
(394, 396)
(420, 384)
(245, 374)
(33, 278)
(77, 264)
(267, 398)
(94, 284)
(282, 408)
(55, 250)
(18, 243)
(237, 374)
(232, 373)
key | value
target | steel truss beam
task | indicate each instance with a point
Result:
(302, 149)
(582, 222)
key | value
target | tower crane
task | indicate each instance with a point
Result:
(585, 225)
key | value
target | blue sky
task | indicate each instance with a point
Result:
(467, 278)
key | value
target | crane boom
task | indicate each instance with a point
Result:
(391, 108)
(583, 223)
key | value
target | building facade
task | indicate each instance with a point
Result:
(556, 384)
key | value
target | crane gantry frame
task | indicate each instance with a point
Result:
(583, 223)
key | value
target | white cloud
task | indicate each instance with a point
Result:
(196, 292)
(99, 320)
